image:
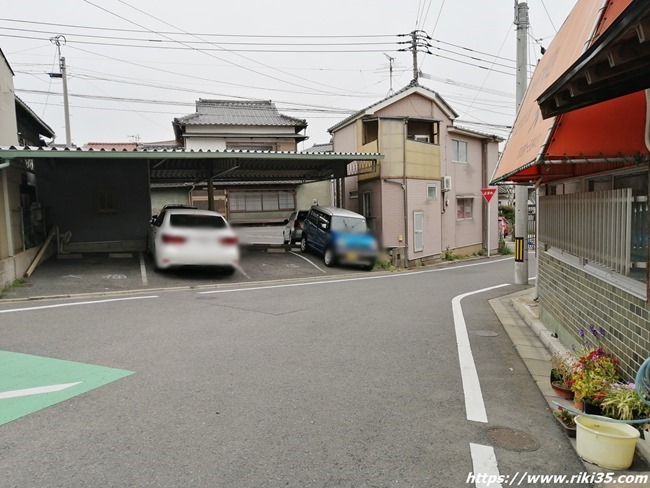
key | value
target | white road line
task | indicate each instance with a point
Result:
(484, 463)
(344, 280)
(36, 391)
(474, 405)
(42, 307)
(143, 270)
(308, 260)
(241, 270)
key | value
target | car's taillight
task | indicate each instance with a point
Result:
(228, 241)
(167, 239)
(297, 225)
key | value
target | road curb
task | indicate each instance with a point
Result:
(527, 311)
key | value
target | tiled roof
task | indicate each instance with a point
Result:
(320, 148)
(234, 112)
(117, 146)
(47, 130)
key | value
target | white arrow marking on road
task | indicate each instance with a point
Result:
(36, 391)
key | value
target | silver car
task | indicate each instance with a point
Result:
(292, 231)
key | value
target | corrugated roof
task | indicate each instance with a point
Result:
(235, 112)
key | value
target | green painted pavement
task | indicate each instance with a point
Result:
(23, 378)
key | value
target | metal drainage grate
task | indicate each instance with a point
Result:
(511, 439)
(485, 333)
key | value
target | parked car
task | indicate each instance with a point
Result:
(339, 235)
(181, 236)
(292, 231)
(503, 226)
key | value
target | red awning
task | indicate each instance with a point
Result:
(588, 140)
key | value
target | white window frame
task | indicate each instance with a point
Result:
(422, 138)
(434, 187)
(456, 155)
(418, 231)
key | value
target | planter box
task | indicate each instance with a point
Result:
(569, 431)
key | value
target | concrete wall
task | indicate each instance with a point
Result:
(163, 196)
(307, 193)
(16, 266)
(69, 192)
(571, 299)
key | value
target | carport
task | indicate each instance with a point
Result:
(100, 199)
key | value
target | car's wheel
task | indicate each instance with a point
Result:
(329, 258)
(370, 266)
(303, 244)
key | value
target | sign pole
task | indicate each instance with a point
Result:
(488, 193)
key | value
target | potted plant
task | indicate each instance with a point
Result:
(566, 420)
(621, 401)
(561, 372)
(593, 373)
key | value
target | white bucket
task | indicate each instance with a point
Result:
(607, 444)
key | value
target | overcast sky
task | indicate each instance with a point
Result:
(135, 65)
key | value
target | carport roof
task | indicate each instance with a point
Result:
(180, 165)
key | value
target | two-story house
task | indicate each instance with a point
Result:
(221, 125)
(424, 199)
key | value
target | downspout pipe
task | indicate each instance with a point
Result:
(406, 195)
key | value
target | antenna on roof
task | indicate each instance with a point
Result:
(390, 64)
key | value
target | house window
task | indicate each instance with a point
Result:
(254, 201)
(365, 204)
(458, 151)
(432, 192)
(106, 200)
(418, 231)
(354, 194)
(464, 208)
(426, 131)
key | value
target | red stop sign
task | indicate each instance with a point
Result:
(488, 193)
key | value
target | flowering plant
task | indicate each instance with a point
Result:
(562, 368)
(593, 373)
(566, 417)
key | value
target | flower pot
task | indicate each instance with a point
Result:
(592, 408)
(579, 405)
(562, 391)
(569, 431)
(607, 444)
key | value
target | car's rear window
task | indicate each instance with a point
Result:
(197, 221)
(302, 215)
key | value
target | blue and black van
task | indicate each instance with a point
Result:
(340, 236)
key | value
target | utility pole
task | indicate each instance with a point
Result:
(419, 43)
(521, 191)
(58, 40)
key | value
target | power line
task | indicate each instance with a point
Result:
(212, 34)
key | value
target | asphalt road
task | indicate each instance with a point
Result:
(353, 382)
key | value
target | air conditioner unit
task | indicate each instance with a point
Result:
(446, 183)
